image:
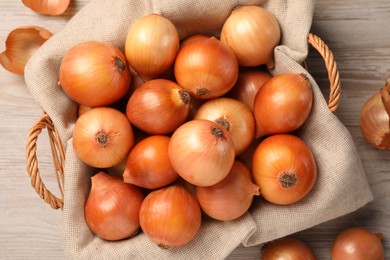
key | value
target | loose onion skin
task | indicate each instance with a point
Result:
(287, 249)
(284, 168)
(170, 217)
(282, 104)
(151, 45)
(357, 243)
(148, 164)
(232, 114)
(248, 84)
(253, 33)
(47, 7)
(374, 119)
(230, 198)
(102, 137)
(112, 208)
(201, 152)
(94, 74)
(158, 106)
(206, 68)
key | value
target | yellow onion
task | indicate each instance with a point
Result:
(102, 137)
(357, 243)
(206, 68)
(374, 119)
(20, 45)
(48, 7)
(282, 104)
(232, 114)
(112, 208)
(148, 163)
(287, 249)
(151, 45)
(170, 216)
(230, 198)
(94, 74)
(201, 152)
(158, 106)
(253, 33)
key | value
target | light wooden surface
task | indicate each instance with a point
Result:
(358, 33)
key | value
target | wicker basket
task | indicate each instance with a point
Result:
(58, 151)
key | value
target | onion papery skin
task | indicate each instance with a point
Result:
(374, 123)
(112, 207)
(201, 152)
(358, 244)
(158, 107)
(284, 168)
(235, 116)
(206, 68)
(47, 7)
(253, 33)
(230, 198)
(287, 249)
(170, 217)
(282, 104)
(94, 74)
(148, 164)
(102, 137)
(151, 45)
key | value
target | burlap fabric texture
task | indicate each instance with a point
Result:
(341, 186)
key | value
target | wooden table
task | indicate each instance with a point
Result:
(357, 32)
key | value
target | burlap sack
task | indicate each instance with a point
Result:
(341, 187)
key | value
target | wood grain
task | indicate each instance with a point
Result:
(356, 31)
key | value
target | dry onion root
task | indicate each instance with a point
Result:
(20, 44)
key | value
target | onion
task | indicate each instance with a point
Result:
(94, 74)
(248, 84)
(358, 244)
(201, 152)
(148, 164)
(374, 119)
(230, 198)
(151, 45)
(170, 217)
(206, 68)
(20, 44)
(253, 33)
(102, 137)
(235, 116)
(158, 106)
(112, 208)
(48, 7)
(284, 168)
(287, 249)
(282, 104)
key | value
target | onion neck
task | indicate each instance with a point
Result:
(224, 122)
(217, 132)
(202, 91)
(184, 96)
(119, 64)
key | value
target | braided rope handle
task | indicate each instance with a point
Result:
(58, 152)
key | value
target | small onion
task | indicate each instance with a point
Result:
(102, 137)
(248, 84)
(357, 243)
(158, 106)
(112, 208)
(284, 168)
(282, 104)
(206, 68)
(374, 119)
(232, 114)
(148, 164)
(287, 249)
(151, 45)
(230, 198)
(20, 44)
(170, 217)
(48, 7)
(253, 33)
(94, 74)
(201, 152)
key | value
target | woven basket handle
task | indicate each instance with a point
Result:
(58, 152)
